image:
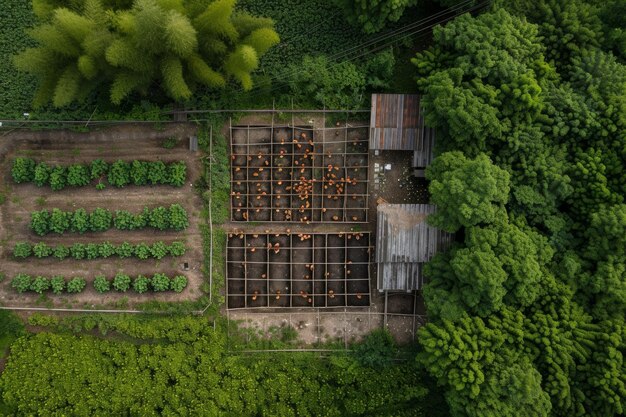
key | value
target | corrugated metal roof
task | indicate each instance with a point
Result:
(394, 121)
(404, 242)
(423, 153)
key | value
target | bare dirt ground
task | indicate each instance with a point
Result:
(126, 142)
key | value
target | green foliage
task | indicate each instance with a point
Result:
(22, 250)
(177, 249)
(142, 251)
(177, 217)
(140, 284)
(177, 174)
(158, 250)
(467, 192)
(119, 174)
(42, 250)
(373, 15)
(58, 178)
(160, 282)
(57, 284)
(23, 170)
(76, 285)
(98, 168)
(78, 175)
(178, 283)
(124, 250)
(40, 284)
(59, 221)
(106, 249)
(78, 251)
(21, 282)
(100, 220)
(42, 174)
(101, 284)
(139, 172)
(123, 49)
(170, 143)
(376, 350)
(61, 252)
(319, 81)
(80, 221)
(121, 282)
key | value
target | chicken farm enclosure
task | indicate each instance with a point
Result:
(290, 174)
(318, 179)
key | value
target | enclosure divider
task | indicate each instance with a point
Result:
(345, 173)
(232, 152)
(268, 277)
(345, 266)
(271, 156)
(290, 265)
(326, 271)
(321, 162)
(245, 268)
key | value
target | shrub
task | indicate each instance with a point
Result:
(178, 217)
(58, 178)
(177, 249)
(76, 285)
(101, 284)
(141, 220)
(41, 250)
(22, 250)
(78, 175)
(142, 251)
(139, 172)
(61, 252)
(119, 174)
(57, 283)
(157, 173)
(80, 221)
(59, 221)
(106, 249)
(140, 284)
(42, 174)
(100, 220)
(376, 350)
(178, 283)
(158, 250)
(98, 168)
(124, 220)
(177, 173)
(160, 282)
(125, 250)
(21, 282)
(121, 282)
(92, 250)
(39, 222)
(159, 218)
(78, 251)
(40, 284)
(23, 170)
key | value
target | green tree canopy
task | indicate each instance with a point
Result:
(128, 48)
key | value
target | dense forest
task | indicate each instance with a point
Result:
(526, 311)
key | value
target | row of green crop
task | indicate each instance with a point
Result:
(121, 283)
(118, 174)
(78, 251)
(100, 219)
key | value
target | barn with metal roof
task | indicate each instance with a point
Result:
(397, 123)
(404, 242)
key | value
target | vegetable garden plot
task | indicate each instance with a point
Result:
(291, 174)
(298, 270)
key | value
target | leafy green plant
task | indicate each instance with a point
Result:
(160, 282)
(39, 222)
(57, 284)
(158, 250)
(61, 252)
(40, 284)
(79, 221)
(101, 284)
(23, 170)
(170, 142)
(177, 217)
(98, 168)
(21, 282)
(92, 250)
(159, 218)
(124, 220)
(140, 284)
(22, 250)
(59, 221)
(139, 172)
(157, 173)
(42, 250)
(100, 220)
(142, 251)
(125, 250)
(106, 249)
(76, 285)
(78, 251)
(121, 282)
(42, 174)
(178, 283)
(119, 174)
(58, 178)
(78, 175)
(177, 249)
(177, 173)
